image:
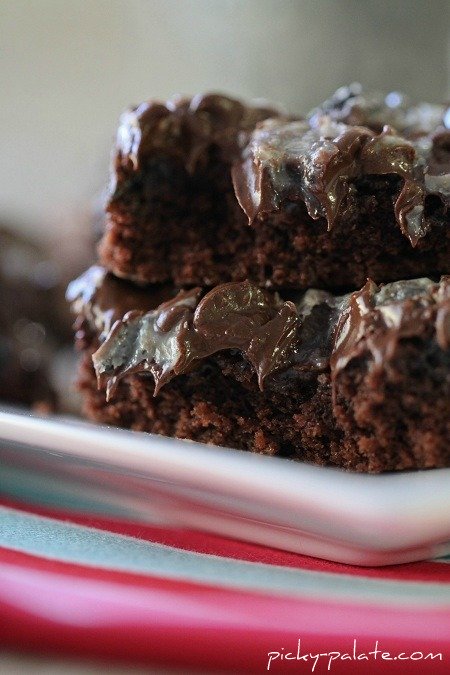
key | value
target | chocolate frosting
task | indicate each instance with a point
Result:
(186, 128)
(318, 161)
(316, 332)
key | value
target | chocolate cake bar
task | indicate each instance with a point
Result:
(359, 380)
(361, 188)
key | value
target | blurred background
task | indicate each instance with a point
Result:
(68, 68)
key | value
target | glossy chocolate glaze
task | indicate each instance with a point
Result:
(316, 332)
(318, 162)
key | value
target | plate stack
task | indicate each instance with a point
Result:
(276, 284)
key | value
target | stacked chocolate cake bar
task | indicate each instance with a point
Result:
(276, 285)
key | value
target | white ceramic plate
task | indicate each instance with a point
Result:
(328, 513)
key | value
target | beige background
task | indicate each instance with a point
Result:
(68, 67)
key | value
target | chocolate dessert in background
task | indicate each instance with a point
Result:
(27, 296)
(37, 357)
(233, 305)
